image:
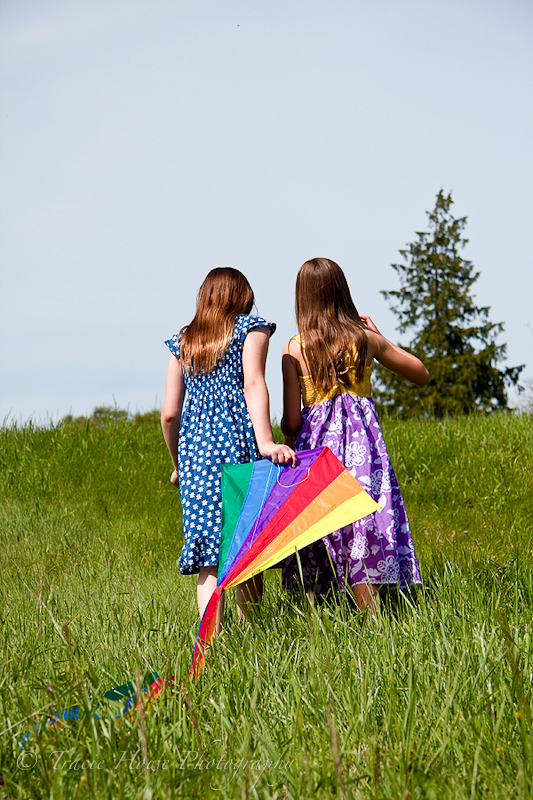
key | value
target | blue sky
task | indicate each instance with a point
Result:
(144, 142)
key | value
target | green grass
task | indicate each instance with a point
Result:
(432, 699)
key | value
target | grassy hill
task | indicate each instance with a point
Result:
(431, 699)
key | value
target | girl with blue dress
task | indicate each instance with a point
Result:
(216, 411)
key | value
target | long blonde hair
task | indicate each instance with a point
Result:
(224, 294)
(330, 327)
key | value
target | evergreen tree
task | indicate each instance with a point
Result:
(452, 336)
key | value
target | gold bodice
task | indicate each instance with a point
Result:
(311, 395)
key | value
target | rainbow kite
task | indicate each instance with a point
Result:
(269, 511)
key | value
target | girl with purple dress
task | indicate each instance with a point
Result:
(327, 369)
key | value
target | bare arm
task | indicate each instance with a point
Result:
(171, 411)
(292, 415)
(254, 355)
(393, 357)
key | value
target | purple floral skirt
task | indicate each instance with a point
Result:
(377, 549)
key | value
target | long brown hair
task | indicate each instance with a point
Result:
(330, 327)
(223, 295)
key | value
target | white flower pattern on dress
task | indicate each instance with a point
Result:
(359, 548)
(356, 453)
(389, 569)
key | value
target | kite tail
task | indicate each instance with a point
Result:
(127, 693)
(206, 633)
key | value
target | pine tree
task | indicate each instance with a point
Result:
(452, 336)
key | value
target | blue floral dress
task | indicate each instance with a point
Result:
(215, 429)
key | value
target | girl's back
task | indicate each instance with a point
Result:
(312, 394)
(224, 383)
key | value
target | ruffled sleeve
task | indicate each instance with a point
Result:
(174, 344)
(246, 323)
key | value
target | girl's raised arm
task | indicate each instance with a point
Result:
(393, 357)
(254, 353)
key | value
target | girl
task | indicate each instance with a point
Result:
(219, 361)
(328, 366)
